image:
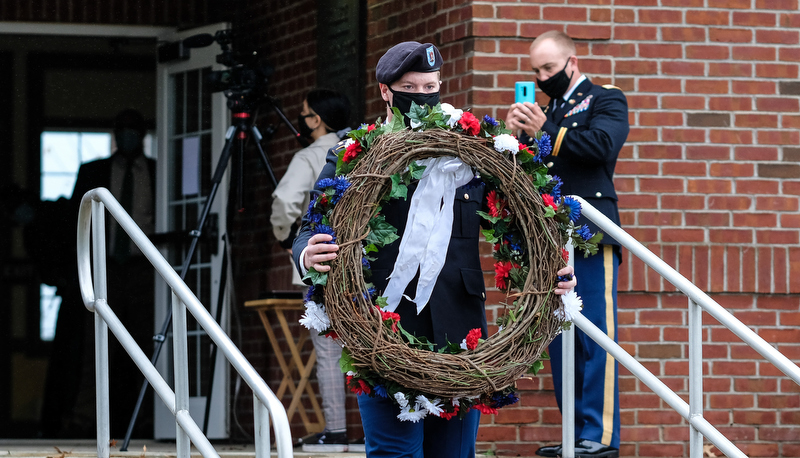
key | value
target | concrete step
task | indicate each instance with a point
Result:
(78, 448)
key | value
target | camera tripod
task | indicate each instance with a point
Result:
(238, 133)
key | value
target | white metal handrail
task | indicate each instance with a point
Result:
(94, 294)
(698, 301)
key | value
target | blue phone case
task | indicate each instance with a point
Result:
(524, 92)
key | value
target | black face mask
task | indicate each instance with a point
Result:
(402, 100)
(305, 131)
(128, 140)
(557, 85)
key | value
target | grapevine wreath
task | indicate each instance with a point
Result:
(528, 221)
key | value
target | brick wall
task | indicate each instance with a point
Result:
(709, 180)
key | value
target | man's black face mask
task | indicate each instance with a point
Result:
(556, 86)
(402, 100)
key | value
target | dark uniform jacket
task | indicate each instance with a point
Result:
(457, 303)
(587, 134)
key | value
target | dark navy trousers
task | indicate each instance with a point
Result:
(432, 437)
(596, 372)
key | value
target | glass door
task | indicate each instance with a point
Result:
(192, 121)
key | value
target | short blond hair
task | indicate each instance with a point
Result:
(561, 39)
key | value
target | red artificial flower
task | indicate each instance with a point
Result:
(485, 409)
(323, 200)
(358, 386)
(370, 127)
(470, 123)
(497, 205)
(332, 335)
(502, 269)
(394, 317)
(565, 255)
(472, 338)
(352, 151)
(549, 201)
(449, 415)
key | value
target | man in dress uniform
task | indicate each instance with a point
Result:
(588, 125)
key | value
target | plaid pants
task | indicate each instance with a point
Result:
(331, 382)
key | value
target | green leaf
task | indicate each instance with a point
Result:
(536, 367)
(347, 362)
(421, 342)
(371, 248)
(381, 233)
(549, 212)
(396, 124)
(381, 301)
(399, 189)
(488, 217)
(489, 235)
(317, 278)
(416, 170)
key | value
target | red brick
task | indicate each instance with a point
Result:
(516, 416)
(636, 67)
(777, 4)
(777, 237)
(600, 15)
(683, 34)
(698, 152)
(754, 120)
(778, 137)
(489, 63)
(706, 86)
(760, 53)
(659, 417)
(754, 219)
(736, 136)
(661, 449)
(661, 185)
(752, 19)
(730, 103)
(755, 153)
(729, 203)
(635, 33)
(746, 368)
(642, 135)
(662, 51)
(614, 49)
(730, 35)
(710, 186)
(494, 29)
(790, 20)
(781, 37)
(737, 236)
(682, 102)
(523, 12)
(652, 15)
(623, 16)
(790, 221)
(683, 68)
(534, 30)
(784, 71)
(684, 168)
(707, 219)
(726, 4)
(673, 235)
(495, 433)
(660, 118)
(642, 102)
(706, 52)
(660, 152)
(789, 54)
(730, 69)
(683, 135)
(753, 87)
(682, 202)
(659, 85)
(778, 302)
(790, 122)
(558, 13)
(589, 32)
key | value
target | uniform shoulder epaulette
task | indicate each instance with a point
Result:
(340, 145)
(611, 86)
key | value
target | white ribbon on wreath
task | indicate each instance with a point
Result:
(427, 232)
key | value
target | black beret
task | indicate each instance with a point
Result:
(408, 56)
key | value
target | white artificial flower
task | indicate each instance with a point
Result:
(401, 399)
(413, 415)
(500, 329)
(571, 306)
(433, 407)
(349, 142)
(455, 114)
(351, 373)
(415, 124)
(464, 344)
(315, 317)
(506, 142)
(455, 402)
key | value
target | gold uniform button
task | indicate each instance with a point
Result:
(598, 194)
(574, 124)
(549, 164)
(572, 101)
(466, 196)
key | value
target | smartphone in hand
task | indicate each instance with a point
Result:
(524, 92)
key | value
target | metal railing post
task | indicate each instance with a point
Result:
(181, 371)
(261, 427)
(101, 333)
(695, 377)
(568, 382)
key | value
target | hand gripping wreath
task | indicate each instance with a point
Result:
(529, 220)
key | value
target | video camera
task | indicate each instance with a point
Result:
(246, 79)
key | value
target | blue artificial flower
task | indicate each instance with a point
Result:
(323, 229)
(584, 232)
(555, 185)
(515, 246)
(565, 277)
(544, 146)
(313, 201)
(490, 120)
(501, 400)
(340, 185)
(380, 390)
(315, 218)
(365, 263)
(309, 294)
(325, 183)
(573, 208)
